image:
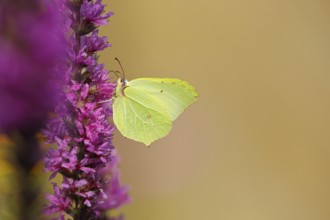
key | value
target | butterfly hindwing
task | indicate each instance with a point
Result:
(139, 122)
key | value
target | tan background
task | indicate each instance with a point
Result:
(256, 145)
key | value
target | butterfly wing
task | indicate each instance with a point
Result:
(137, 118)
(174, 95)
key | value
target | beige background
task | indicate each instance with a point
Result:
(256, 145)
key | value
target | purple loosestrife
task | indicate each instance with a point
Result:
(84, 155)
(31, 50)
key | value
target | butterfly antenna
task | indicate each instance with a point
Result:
(115, 72)
(122, 69)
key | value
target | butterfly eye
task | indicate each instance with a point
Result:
(123, 81)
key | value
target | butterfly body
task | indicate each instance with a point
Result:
(144, 108)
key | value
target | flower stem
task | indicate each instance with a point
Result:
(25, 161)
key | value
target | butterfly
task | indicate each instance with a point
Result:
(144, 108)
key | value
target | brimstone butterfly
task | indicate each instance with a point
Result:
(144, 108)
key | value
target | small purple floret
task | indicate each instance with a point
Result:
(92, 11)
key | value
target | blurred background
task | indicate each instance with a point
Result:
(256, 145)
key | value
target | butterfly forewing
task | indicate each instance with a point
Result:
(146, 99)
(138, 122)
(174, 95)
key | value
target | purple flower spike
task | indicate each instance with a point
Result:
(85, 155)
(32, 53)
(29, 80)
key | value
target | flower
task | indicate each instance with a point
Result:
(94, 43)
(57, 202)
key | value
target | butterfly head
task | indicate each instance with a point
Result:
(121, 85)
